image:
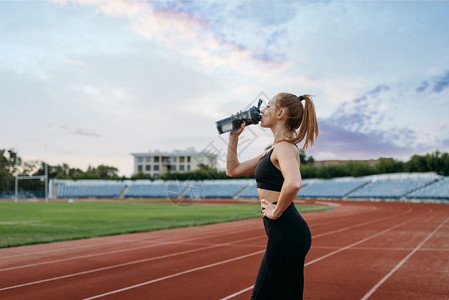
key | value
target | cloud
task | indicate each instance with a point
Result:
(445, 143)
(116, 8)
(372, 93)
(73, 62)
(353, 136)
(378, 89)
(363, 113)
(380, 122)
(349, 144)
(76, 131)
(269, 51)
(424, 85)
(441, 83)
(197, 31)
(266, 13)
(436, 83)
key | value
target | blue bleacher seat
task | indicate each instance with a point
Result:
(148, 190)
(438, 189)
(217, 188)
(411, 186)
(330, 188)
(250, 192)
(90, 190)
(390, 188)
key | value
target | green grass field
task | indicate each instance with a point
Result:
(26, 223)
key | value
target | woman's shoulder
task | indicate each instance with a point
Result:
(285, 148)
(285, 145)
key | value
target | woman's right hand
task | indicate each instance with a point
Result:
(236, 133)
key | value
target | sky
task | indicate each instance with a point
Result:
(88, 82)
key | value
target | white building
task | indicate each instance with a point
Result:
(157, 162)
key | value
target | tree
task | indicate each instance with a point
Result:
(444, 165)
(389, 165)
(106, 172)
(437, 162)
(304, 159)
(308, 171)
(357, 169)
(332, 171)
(5, 177)
(417, 163)
(7, 168)
(141, 175)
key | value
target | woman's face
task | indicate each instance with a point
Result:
(268, 114)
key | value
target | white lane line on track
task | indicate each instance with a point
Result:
(71, 247)
(238, 293)
(82, 257)
(177, 242)
(175, 275)
(115, 251)
(361, 241)
(248, 288)
(385, 278)
(331, 253)
(139, 261)
(126, 264)
(327, 203)
(70, 275)
(358, 225)
(349, 217)
(115, 241)
(383, 248)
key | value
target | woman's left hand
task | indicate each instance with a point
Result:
(268, 209)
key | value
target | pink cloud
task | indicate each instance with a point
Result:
(186, 33)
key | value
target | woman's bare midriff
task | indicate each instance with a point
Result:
(271, 196)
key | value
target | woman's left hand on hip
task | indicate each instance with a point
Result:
(268, 209)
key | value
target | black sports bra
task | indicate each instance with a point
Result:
(268, 177)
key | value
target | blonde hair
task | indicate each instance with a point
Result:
(299, 116)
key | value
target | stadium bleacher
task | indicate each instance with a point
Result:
(330, 188)
(390, 188)
(250, 192)
(147, 190)
(217, 188)
(110, 190)
(438, 190)
(385, 186)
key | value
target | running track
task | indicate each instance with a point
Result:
(360, 250)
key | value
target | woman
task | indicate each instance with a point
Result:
(278, 180)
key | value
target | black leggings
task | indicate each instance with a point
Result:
(281, 273)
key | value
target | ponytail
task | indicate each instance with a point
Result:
(309, 125)
(300, 117)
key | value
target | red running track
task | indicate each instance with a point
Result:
(361, 250)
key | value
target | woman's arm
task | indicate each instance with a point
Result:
(234, 168)
(288, 159)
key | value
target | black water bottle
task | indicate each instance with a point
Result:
(248, 117)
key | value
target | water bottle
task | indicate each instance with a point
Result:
(234, 122)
